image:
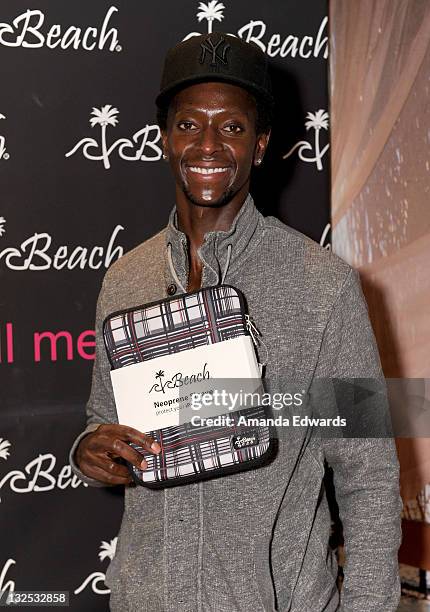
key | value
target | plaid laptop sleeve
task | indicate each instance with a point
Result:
(189, 452)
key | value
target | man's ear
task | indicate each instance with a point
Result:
(260, 147)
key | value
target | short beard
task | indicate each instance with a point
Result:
(226, 197)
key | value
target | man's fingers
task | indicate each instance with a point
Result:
(96, 453)
(129, 434)
(148, 443)
(100, 474)
(124, 450)
(110, 466)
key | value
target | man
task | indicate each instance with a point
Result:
(256, 540)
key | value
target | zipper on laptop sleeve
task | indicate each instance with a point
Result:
(255, 334)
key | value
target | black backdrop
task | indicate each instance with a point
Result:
(74, 197)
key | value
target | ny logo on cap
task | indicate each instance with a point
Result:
(217, 52)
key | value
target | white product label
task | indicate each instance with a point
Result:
(159, 392)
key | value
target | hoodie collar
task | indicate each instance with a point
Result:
(221, 251)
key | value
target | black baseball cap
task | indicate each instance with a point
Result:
(215, 57)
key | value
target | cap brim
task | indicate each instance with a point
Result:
(165, 96)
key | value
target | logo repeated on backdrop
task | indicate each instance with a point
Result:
(211, 11)
(39, 475)
(28, 31)
(316, 121)
(255, 30)
(35, 253)
(107, 551)
(96, 580)
(129, 149)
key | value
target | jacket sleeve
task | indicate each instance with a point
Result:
(366, 470)
(101, 405)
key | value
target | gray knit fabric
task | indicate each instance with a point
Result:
(258, 540)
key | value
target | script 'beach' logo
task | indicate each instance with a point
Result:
(26, 31)
(178, 380)
(36, 253)
(317, 121)
(128, 149)
(38, 475)
(256, 31)
(107, 551)
(3, 153)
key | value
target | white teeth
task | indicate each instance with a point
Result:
(206, 170)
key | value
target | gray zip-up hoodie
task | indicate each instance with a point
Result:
(258, 540)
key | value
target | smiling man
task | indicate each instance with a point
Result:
(211, 140)
(255, 540)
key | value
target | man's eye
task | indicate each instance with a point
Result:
(186, 125)
(233, 128)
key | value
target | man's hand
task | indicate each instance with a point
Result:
(97, 451)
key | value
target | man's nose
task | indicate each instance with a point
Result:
(210, 141)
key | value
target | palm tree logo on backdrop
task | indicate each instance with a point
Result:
(211, 11)
(107, 116)
(107, 551)
(3, 153)
(317, 121)
(104, 116)
(4, 444)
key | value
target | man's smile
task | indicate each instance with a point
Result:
(206, 171)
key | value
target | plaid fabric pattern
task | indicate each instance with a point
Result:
(210, 315)
(189, 450)
(174, 325)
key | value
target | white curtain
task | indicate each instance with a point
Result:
(380, 129)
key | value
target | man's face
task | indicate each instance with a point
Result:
(211, 142)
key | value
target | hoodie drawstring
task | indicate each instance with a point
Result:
(227, 263)
(172, 269)
(175, 276)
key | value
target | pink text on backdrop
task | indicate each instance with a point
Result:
(49, 345)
